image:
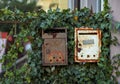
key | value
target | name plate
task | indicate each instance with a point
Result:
(87, 42)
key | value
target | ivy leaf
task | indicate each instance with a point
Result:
(100, 65)
(106, 35)
(48, 70)
(21, 49)
(52, 69)
(32, 65)
(117, 25)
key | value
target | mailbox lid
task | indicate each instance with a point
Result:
(55, 33)
(87, 45)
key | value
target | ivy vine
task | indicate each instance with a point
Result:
(32, 72)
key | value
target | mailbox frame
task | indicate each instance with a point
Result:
(88, 31)
(52, 36)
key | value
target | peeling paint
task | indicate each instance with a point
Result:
(88, 44)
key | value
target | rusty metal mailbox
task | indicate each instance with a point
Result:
(87, 45)
(54, 48)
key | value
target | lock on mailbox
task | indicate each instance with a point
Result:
(87, 45)
(54, 48)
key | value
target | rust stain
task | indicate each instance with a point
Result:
(85, 28)
(47, 44)
(56, 56)
(54, 35)
(48, 51)
(79, 49)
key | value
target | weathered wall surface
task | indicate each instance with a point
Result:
(115, 7)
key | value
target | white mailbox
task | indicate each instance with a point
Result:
(87, 44)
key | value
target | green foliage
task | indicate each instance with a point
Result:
(116, 65)
(8, 15)
(74, 73)
(107, 9)
(23, 5)
(106, 5)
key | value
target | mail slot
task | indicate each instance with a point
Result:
(87, 44)
(54, 48)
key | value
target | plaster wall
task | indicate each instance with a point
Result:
(115, 8)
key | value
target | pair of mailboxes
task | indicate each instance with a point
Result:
(54, 48)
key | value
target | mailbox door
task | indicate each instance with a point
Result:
(54, 52)
(87, 45)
